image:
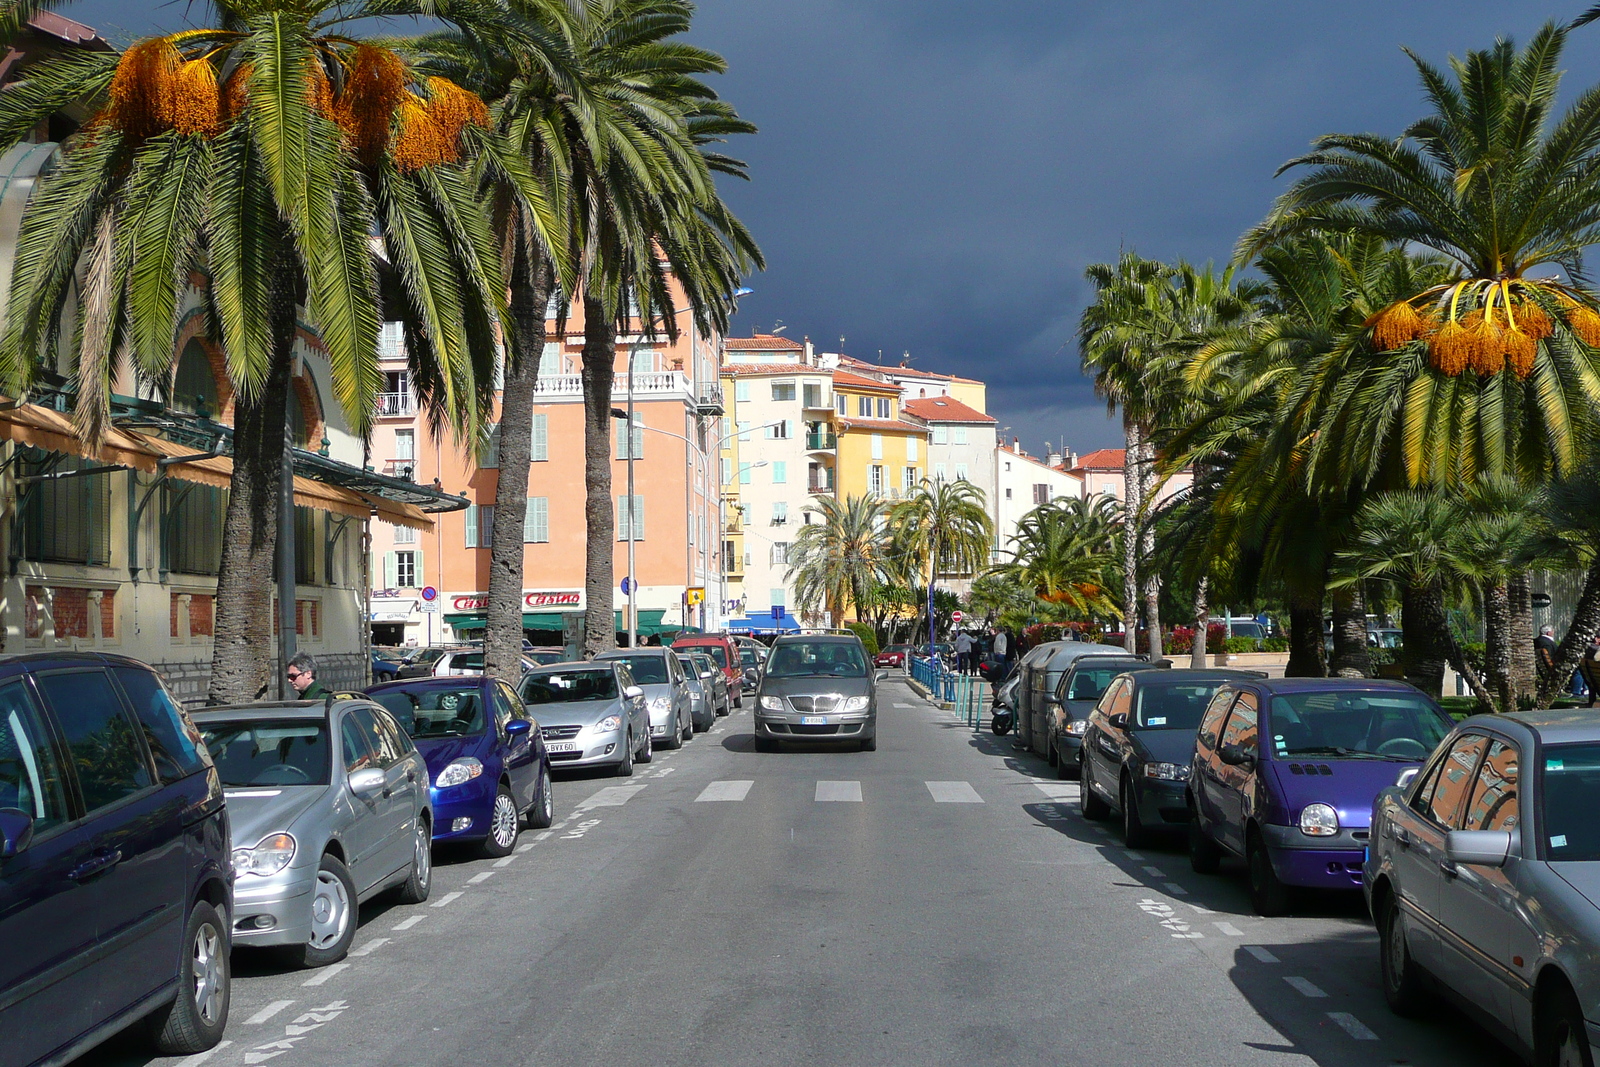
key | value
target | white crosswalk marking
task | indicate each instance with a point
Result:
(953, 793)
(612, 796)
(845, 791)
(724, 791)
(1352, 1026)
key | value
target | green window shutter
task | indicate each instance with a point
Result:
(391, 571)
(622, 518)
(541, 438)
(536, 523)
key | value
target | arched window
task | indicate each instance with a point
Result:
(194, 387)
(304, 406)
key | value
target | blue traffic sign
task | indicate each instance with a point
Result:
(627, 586)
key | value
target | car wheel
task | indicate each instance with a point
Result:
(505, 824)
(647, 753)
(1134, 835)
(195, 1019)
(625, 768)
(414, 890)
(1204, 855)
(687, 729)
(1089, 802)
(1560, 1038)
(333, 916)
(543, 812)
(674, 738)
(1268, 895)
(1402, 983)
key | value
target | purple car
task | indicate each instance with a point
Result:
(1285, 771)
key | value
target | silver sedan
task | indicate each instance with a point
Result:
(1483, 875)
(329, 804)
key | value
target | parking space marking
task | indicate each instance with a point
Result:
(506, 861)
(663, 772)
(580, 829)
(905, 705)
(406, 924)
(840, 791)
(541, 835)
(1261, 954)
(1175, 889)
(326, 973)
(717, 791)
(478, 878)
(201, 1057)
(612, 796)
(953, 793)
(1303, 987)
(1169, 919)
(1352, 1026)
(1132, 855)
(1155, 872)
(267, 1012)
(370, 947)
(1229, 929)
(446, 899)
(1058, 790)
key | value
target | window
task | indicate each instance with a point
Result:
(813, 394)
(1494, 798)
(30, 777)
(1441, 798)
(1008, 492)
(741, 392)
(392, 341)
(102, 740)
(357, 752)
(480, 525)
(913, 447)
(623, 451)
(938, 472)
(877, 446)
(782, 391)
(405, 570)
(540, 451)
(405, 444)
(841, 403)
(1241, 728)
(780, 553)
(307, 525)
(404, 535)
(779, 597)
(68, 519)
(875, 479)
(194, 527)
(743, 426)
(536, 522)
(864, 407)
(959, 434)
(961, 472)
(630, 527)
(780, 512)
(1041, 493)
(911, 479)
(884, 407)
(727, 471)
(780, 472)
(172, 738)
(778, 431)
(489, 450)
(744, 474)
(941, 435)
(644, 361)
(730, 558)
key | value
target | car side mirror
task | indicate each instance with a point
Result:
(1487, 848)
(16, 831)
(366, 780)
(518, 727)
(633, 692)
(1407, 776)
(1236, 756)
(1119, 720)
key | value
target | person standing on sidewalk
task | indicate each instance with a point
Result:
(964, 652)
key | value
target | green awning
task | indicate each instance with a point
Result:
(531, 620)
(649, 622)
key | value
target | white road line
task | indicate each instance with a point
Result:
(326, 973)
(1229, 929)
(542, 835)
(953, 793)
(1261, 954)
(736, 790)
(1201, 911)
(663, 772)
(612, 796)
(267, 1012)
(371, 946)
(1132, 855)
(446, 899)
(1303, 987)
(479, 878)
(1155, 872)
(905, 705)
(1058, 790)
(1175, 889)
(406, 924)
(505, 861)
(1352, 1026)
(201, 1057)
(845, 791)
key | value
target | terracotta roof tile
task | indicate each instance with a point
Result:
(897, 425)
(944, 409)
(857, 381)
(1101, 459)
(736, 370)
(762, 342)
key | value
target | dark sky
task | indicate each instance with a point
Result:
(934, 176)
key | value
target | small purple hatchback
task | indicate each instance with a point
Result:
(1285, 771)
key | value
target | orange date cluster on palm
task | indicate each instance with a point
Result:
(375, 104)
(1502, 332)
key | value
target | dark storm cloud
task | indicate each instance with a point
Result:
(935, 175)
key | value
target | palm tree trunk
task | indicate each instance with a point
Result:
(599, 371)
(530, 296)
(1497, 644)
(1585, 626)
(1147, 549)
(1423, 622)
(1524, 667)
(1131, 508)
(1306, 652)
(1351, 656)
(1202, 611)
(241, 669)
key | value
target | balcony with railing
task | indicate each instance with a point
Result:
(650, 384)
(400, 468)
(396, 405)
(709, 402)
(821, 484)
(821, 441)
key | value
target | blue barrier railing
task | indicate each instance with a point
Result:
(963, 692)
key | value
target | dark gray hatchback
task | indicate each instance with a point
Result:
(817, 688)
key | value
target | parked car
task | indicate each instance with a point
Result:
(486, 758)
(1067, 709)
(384, 667)
(753, 661)
(817, 688)
(1286, 770)
(1041, 671)
(666, 691)
(590, 714)
(114, 862)
(461, 661)
(1484, 881)
(544, 655)
(704, 679)
(724, 653)
(330, 807)
(721, 696)
(892, 656)
(421, 662)
(1138, 747)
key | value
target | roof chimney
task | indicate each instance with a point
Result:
(1052, 458)
(811, 354)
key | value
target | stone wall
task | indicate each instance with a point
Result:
(338, 671)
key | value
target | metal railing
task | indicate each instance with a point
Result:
(645, 383)
(390, 404)
(963, 692)
(821, 441)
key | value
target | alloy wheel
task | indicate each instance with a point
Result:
(423, 860)
(330, 911)
(503, 821)
(207, 973)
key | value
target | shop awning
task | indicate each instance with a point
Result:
(650, 622)
(762, 622)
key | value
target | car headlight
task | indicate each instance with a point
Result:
(459, 772)
(855, 704)
(772, 703)
(271, 855)
(1166, 772)
(1077, 727)
(1319, 820)
(660, 703)
(608, 724)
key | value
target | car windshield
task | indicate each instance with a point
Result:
(690, 667)
(1571, 796)
(1088, 682)
(797, 659)
(749, 658)
(565, 687)
(428, 655)
(718, 654)
(1355, 725)
(262, 752)
(429, 713)
(1173, 707)
(544, 657)
(647, 670)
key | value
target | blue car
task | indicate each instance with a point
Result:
(486, 758)
(115, 873)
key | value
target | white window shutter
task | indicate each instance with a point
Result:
(638, 518)
(541, 438)
(536, 521)
(391, 571)
(472, 526)
(877, 446)
(491, 448)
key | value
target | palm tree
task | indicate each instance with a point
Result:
(1570, 510)
(1065, 554)
(942, 528)
(836, 562)
(265, 150)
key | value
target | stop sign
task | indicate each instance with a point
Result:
(955, 617)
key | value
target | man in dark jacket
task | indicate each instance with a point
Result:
(303, 677)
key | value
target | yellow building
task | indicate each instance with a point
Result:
(877, 453)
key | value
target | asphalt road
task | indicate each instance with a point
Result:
(939, 901)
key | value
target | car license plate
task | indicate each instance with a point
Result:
(813, 720)
(561, 746)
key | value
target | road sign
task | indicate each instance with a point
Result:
(431, 607)
(429, 593)
(956, 617)
(695, 595)
(1540, 600)
(627, 586)
(777, 611)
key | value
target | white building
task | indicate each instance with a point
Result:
(1022, 483)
